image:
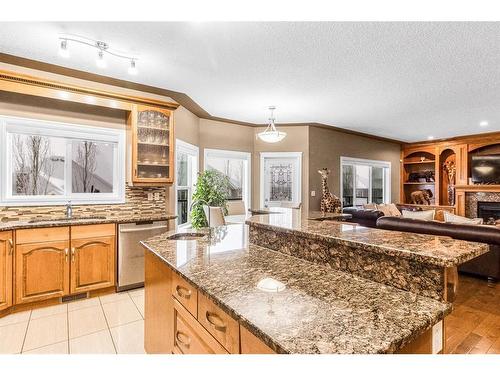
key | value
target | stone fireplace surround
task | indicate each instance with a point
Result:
(472, 199)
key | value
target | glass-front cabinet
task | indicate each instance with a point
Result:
(153, 148)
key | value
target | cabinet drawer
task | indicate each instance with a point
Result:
(189, 335)
(92, 231)
(42, 235)
(185, 293)
(224, 328)
(251, 344)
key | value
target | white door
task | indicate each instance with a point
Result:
(280, 179)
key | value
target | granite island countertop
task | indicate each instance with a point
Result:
(320, 310)
(84, 220)
(428, 249)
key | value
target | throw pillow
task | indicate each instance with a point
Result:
(370, 206)
(385, 209)
(455, 219)
(419, 215)
(394, 210)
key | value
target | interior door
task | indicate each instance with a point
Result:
(282, 180)
(92, 263)
(42, 271)
(6, 251)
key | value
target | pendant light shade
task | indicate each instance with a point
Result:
(271, 134)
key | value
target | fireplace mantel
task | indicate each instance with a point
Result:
(461, 190)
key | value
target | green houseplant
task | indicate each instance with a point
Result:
(211, 187)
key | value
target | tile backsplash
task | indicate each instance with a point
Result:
(136, 202)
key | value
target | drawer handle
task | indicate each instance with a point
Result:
(180, 340)
(215, 321)
(183, 292)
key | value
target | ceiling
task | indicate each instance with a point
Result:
(405, 81)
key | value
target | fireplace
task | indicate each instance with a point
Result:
(488, 210)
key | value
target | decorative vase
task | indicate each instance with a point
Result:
(451, 195)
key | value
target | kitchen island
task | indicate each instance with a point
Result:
(219, 293)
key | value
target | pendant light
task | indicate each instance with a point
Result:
(271, 134)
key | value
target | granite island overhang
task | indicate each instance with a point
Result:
(420, 263)
(314, 309)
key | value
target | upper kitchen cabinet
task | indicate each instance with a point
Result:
(152, 145)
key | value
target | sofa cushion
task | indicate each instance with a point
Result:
(455, 219)
(370, 206)
(419, 215)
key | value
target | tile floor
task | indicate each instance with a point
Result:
(101, 325)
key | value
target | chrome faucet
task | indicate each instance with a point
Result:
(69, 210)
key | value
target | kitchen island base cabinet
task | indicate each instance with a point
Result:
(6, 262)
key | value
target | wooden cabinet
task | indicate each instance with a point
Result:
(152, 145)
(42, 267)
(251, 344)
(55, 262)
(6, 261)
(92, 257)
(185, 293)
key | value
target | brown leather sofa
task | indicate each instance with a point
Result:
(486, 265)
(364, 217)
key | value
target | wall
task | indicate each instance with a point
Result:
(326, 148)
(296, 140)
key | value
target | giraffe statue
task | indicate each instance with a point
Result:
(329, 202)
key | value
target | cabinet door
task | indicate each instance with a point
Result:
(6, 253)
(152, 151)
(42, 271)
(92, 263)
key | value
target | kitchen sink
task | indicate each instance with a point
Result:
(186, 236)
(76, 218)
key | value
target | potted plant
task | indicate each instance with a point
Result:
(211, 188)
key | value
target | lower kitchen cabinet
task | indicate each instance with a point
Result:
(92, 257)
(42, 269)
(6, 261)
(55, 262)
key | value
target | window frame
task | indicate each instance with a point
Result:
(192, 151)
(240, 155)
(71, 132)
(386, 165)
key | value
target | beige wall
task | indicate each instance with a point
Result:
(326, 148)
(297, 140)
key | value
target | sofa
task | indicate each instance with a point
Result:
(364, 217)
(486, 265)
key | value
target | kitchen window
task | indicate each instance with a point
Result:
(45, 163)
(365, 181)
(186, 167)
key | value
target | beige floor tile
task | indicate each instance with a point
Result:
(84, 303)
(109, 298)
(136, 292)
(12, 337)
(85, 321)
(45, 331)
(19, 317)
(50, 310)
(129, 338)
(139, 303)
(95, 343)
(59, 348)
(121, 312)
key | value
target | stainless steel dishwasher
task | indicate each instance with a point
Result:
(131, 252)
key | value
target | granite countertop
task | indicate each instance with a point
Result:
(429, 249)
(83, 220)
(320, 310)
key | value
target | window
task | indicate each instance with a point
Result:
(187, 171)
(51, 163)
(236, 166)
(365, 181)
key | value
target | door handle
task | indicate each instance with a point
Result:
(73, 250)
(66, 251)
(11, 246)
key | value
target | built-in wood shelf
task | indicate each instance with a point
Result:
(419, 183)
(419, 162)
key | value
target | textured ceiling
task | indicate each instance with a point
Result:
(404, 81)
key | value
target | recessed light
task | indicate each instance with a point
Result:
(483, 123)
(430, 137)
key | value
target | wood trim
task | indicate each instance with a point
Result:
(31, 85)
(483, 188)
(6, 269)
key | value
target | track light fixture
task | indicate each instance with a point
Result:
(102, 48)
